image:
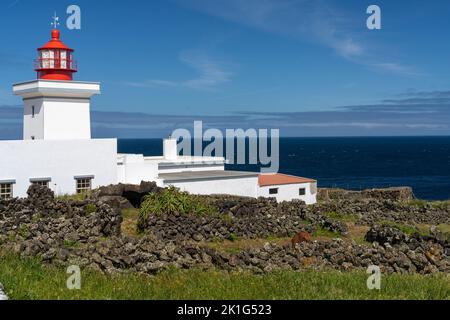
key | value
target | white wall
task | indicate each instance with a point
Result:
(63, 109)
(65, 120)
(33, 126)
(59, 160)
(290, 192)
(61, 119)
(187, 167)
(133, 169)
(170, 149)
(245, 187)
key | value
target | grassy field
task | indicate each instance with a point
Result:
(28, 279)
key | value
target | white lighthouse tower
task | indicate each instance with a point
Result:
(57, 149)
(55, 107)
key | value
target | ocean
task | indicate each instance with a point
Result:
(422, 163)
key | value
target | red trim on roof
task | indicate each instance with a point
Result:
(276, 179)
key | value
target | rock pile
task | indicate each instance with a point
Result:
(372, 211)
(151, 255)
(391, 235)
(125, 196)
(51, 222)
(401, 194)
(87, 233)
(240, 217)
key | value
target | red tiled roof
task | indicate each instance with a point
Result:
(280, 179)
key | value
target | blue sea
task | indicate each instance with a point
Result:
(422, 163)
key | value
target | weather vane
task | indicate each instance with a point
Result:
(55, 22)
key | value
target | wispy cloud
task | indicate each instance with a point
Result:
(152, 83)
(402, 116)
(317, 21)
(13, 3)
(210, 73)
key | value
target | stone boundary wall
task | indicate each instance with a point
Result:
(240, 217)
(87, 233)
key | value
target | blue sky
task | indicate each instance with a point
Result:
(310, 68)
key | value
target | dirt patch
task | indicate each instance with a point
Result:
(129, 222)
(243, 244)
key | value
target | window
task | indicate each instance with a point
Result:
(6, 190)
(302, 191)
(273, 191)
(41, 182)
(32, 111)
(84, 185)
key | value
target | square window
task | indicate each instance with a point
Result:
(84, 185)
(302, 191)
(273, 191)
(6, 191)
(43, 183)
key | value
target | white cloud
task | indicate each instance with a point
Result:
(151, 83)
(395, 68)
(317, 21)
(211, 74)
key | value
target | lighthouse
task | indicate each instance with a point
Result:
(55, 106)
(57, 150)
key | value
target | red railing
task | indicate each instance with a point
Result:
(57, 64)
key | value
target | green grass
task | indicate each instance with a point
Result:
(418, 203)
(442, 205)
(421, 229)
(324, 233)
(407, 229)
(444, 228)
(70, 244)
(342, 217)
(27, 279)
(75, 197)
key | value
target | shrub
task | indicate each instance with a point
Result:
(90, 208)
(23, 231)
(171, 201)
(232, 237)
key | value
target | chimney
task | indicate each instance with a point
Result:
(170, 149)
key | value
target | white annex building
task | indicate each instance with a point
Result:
(57, 149)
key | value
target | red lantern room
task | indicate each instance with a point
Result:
(55, 60)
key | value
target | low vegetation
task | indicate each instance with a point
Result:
(129, 222)
(75, 197)
(171, 201)
(90, 208)
(422, 229)
(324, 233)
(342, 217)
(28, 279)
(407, 229)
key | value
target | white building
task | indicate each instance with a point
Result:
(57, 149)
